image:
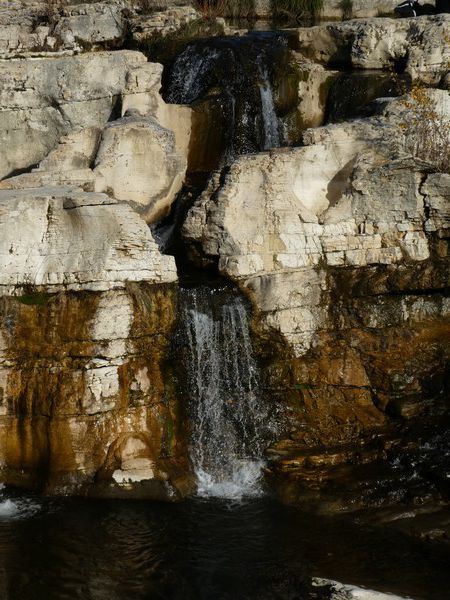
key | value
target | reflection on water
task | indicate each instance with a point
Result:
(203, 549)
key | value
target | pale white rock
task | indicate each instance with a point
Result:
(135, 464)
(141, 381)
(113, 318)
(35, 27)
(90, 25)
(137, 162)
(340, 591)
(74, 240)
(120, 151)
(349, 199)
(437, 200)
(162, 22)
(313, 81)
(43, 99)
(415, 245)
(102, 390)
(420, 42)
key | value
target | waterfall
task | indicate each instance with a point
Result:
(229, 420)
(191, 74)
(270, 119)
(237, 72)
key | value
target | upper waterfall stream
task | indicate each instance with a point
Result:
(229, 419)
(237, 72)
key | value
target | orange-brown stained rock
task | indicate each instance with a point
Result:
(53, 436)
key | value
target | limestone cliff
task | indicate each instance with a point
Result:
(342, 246)
(87, 302)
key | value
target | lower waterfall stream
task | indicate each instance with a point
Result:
(229, 419)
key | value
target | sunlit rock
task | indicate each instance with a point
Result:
(418, 46)
(122, 165)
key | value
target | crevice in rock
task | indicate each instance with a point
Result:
(116, 110)
(22, 171)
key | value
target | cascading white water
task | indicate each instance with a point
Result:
(236, 74)
(228, 418)
(271, 127)
(190, 74)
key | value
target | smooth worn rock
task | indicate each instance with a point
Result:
(137, 162)
(417, 46)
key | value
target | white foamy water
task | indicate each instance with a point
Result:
(17, 508)
(190, 74)
(342, 591)
(271, 127)
(8, 508)
(244, 481)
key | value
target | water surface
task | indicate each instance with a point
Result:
(202, 549)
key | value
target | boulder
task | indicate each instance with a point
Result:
(417, 46)
(137, 162)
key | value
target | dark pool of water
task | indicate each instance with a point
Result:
(133, 550)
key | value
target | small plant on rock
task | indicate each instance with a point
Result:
(148, 6)
(52, 9)
(427, 128)
(298, 9)
(226, 8)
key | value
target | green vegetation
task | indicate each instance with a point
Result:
(246, 8)
(297, 8)
(146, 7)
(164, 49)
(34, 298)
(427, 129)
(228, 8)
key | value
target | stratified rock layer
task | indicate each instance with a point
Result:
(419, 46)
(87, 306)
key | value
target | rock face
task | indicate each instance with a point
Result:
(87, 306)
(51, 100)
(342, 246)
(87, 301)
(417, 46)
